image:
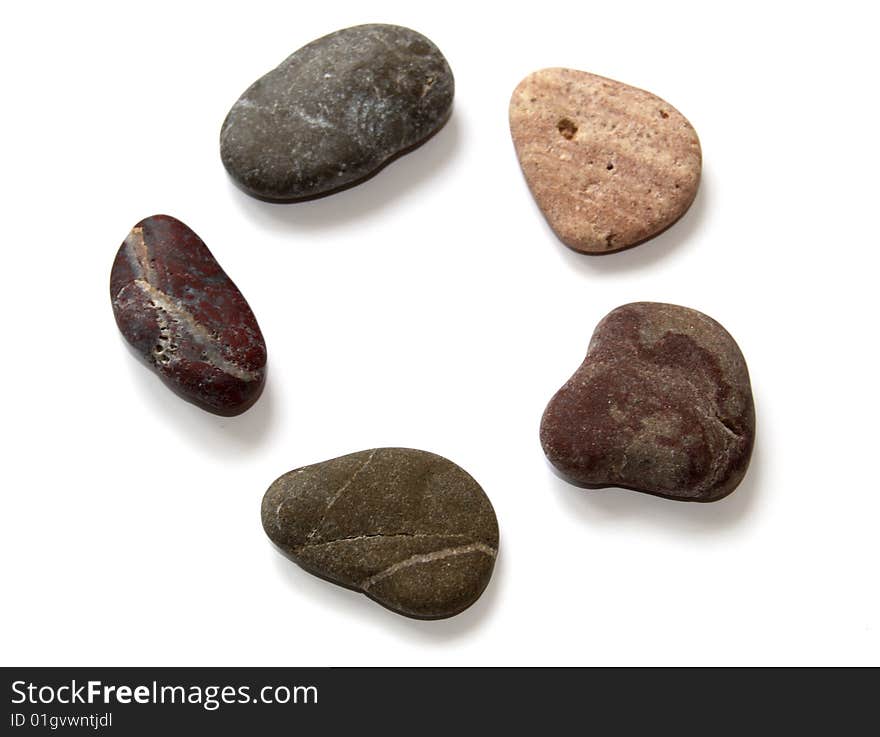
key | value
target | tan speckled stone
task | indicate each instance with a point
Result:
(609, 165)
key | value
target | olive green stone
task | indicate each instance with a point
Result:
(408, 528)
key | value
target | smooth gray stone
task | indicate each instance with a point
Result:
(408, 528)
(335, 112)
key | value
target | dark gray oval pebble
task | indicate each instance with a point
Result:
(408, 528)
(662, 404)
(335, 112)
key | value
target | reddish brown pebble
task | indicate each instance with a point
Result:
(185, 317)
(608, 164)
(661, 404)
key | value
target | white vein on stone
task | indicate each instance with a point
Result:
(278, 525)
(198, 331)
(340, 492)
(377, 536)
(317, 121)
(138, 254)
(427, 558)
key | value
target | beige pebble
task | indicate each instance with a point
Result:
(609, 165)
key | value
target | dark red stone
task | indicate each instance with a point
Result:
(186, 318)
(662, 404)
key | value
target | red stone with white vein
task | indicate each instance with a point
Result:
(184, 316)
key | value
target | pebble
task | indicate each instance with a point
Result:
(408, 528)
(609, 165)
(183, 315)
(661, 404)
(335, 112)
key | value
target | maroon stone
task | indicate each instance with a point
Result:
(662, 404)
(185, 317)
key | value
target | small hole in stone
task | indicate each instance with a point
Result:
(610, 166)
(567, 128)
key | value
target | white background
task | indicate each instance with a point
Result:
(432, 307)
